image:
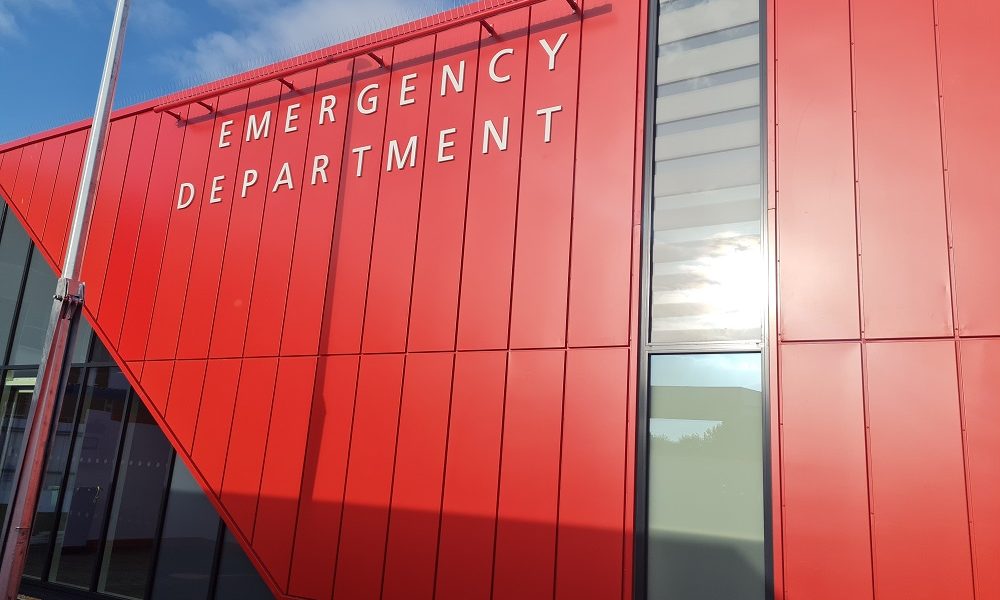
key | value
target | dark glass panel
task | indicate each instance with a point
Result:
(33, 318)
(14, 246)
(188, 542)
(238, 580)
(15, 401)
(706, 477)
(88, 487)
(82, 345)
(99, 353)
(55, 471)
(142, 481)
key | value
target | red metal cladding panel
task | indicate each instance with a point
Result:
(921, 525)
(26, 171)
(524, 566)
(8, 171)
(592, 477)
(331, 111)
(981, 389)
(105, 210)
(45, 182)
(361, 551)
(818, 268)
(185, 399)
(407, 139)
(824, 473)
(277, 236)
(352, 237)
(175, 269)
(281, 480)
(121, 258)
(155, 380)
(469, 506)
(438, 262)
(545, 197)
(236, 280)
(325, 473)
(415, 510)
(968, 45)
(484, 304)
(600, 289)
(64, 194)
(216, 196)
(904, 245)
(160, 205)
(245, 457)
(215, 419)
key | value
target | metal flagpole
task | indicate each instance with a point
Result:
(61, 330)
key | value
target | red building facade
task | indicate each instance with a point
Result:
(390, 301)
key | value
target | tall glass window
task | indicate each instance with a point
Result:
(88, 487)
(706, 521)
(15, 401)
(706, 490)
(55, 470)
(706, 250)
(142, 478)
(190, 535)
(33, 318)
(14, 245)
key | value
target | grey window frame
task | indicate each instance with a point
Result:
(647, 349)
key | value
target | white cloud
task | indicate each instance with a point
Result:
(267, 31)
(157, 16)
(13, 10)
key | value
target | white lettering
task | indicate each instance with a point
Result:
(489, 129)
(553, 51)
(284, 178)
(448, 75)
(249, 178)
(548, 120)
(360, 151)
(406, 89)
(181, 202)
(263, 129)
(289, 117)
(320, 169)
(224, 133)
(372, 102)
(442, 144)
(326, 106)
(493, 66)
(411, 151)
(214, 199)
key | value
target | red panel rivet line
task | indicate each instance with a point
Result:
(574, 5)
(287, 83)
(207, 106)
(489, 29)
(377, 59)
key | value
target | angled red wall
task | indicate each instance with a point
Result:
(412, 383)
(884, 199)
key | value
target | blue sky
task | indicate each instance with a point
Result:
(51, 51)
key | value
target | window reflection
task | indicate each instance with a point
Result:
(706, 250)
(706, 490)
(190, 534)
(142, 479)
(88, 487)
(14, 246)
(33, 318)
(15, 401)
(238, 580)
(55, 470)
